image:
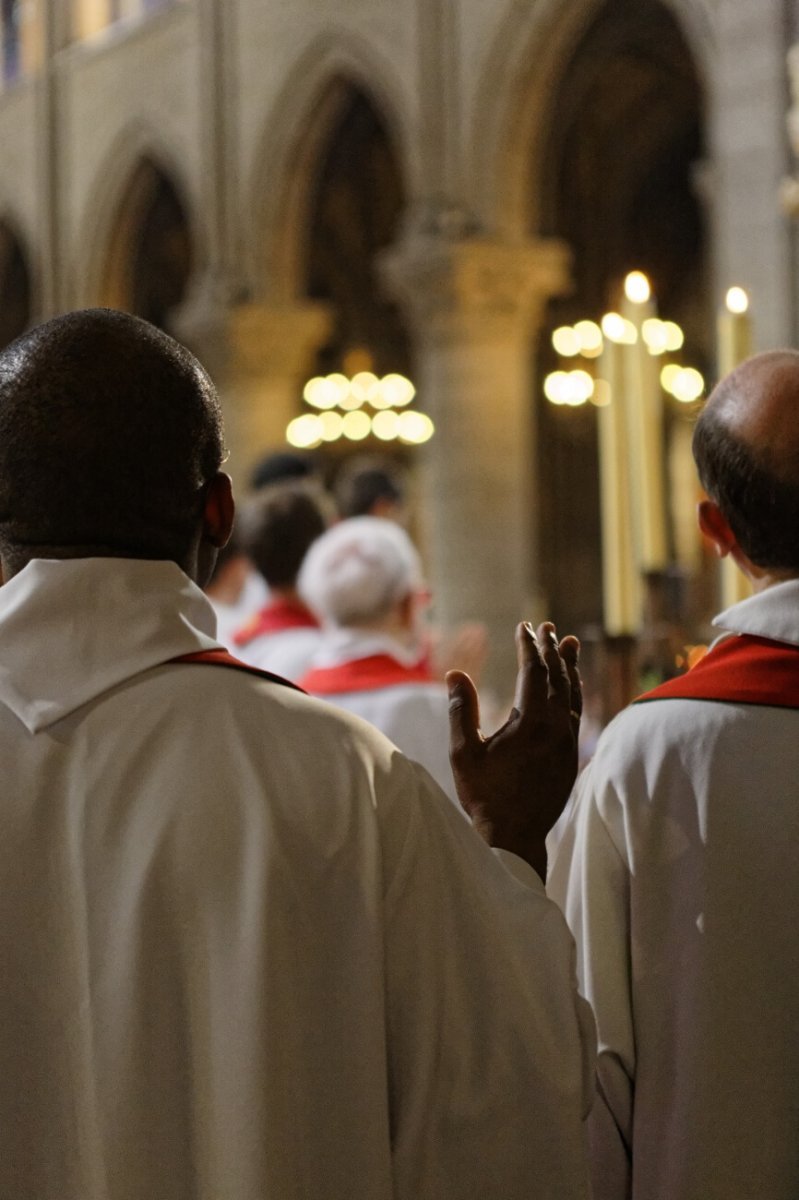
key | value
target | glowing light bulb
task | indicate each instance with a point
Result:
(320, 393)
(305, 431)
(737, 300)
(384, 425)
(395, 391)
(688, 385)
(613, 327)
(581, 387)
(636, 287)
(332, 424)
(674, 336)
(655, 335)
(365, 385)
(342, 385)
(554, 387)
(566, 341)
(356, 426)
(415, 427)
(590, 338)
(668, 376)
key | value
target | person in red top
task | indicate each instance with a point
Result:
(677, 865)
(276, 529)
(363, 579)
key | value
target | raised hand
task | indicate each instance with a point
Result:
(515, 783)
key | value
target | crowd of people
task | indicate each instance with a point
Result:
(281, 921)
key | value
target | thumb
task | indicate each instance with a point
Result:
(464, 714)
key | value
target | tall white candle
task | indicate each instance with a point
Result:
(644, 401)
(621, 583)
(734, 344)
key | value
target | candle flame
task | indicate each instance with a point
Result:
(636, 287)
(737, 300)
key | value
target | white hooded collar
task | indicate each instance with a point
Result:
(72, 629)
(772, 613)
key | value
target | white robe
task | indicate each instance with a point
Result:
(414, 716)
(231, 617)
(248, 951)
(678, 874)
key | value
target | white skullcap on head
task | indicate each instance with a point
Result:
(358, 570)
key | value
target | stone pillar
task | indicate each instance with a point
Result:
(476, 304)
(259, 358)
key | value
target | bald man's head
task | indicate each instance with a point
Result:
(746, 446)
(109, 431)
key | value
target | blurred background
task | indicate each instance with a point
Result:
(369, 219)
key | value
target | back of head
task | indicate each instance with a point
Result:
(358, 571)
(278, 525)
(367, 487)
(109, 430)
(279, 466)
(746, 447)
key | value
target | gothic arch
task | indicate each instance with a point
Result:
(311, 102)
(523, 72)
(117, 201)
(16, 283)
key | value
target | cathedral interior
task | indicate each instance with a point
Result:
(431, 190)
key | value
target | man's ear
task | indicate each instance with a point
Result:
(219, 510)
(714, 526)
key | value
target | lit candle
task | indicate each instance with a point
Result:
(734, 331)
(644, 401)
(734, 344)
(621, 583)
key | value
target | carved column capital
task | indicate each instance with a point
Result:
(475, 287)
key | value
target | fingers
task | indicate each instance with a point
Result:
(531, 678)
(464, 715)
(559, 679)
(570, 653)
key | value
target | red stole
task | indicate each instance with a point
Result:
(221, 658)
(363, 675)
(275, 617)
(739, 670)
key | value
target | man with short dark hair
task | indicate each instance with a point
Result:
(677, 868)
(369, 486)
(277, 527)
(248, 951)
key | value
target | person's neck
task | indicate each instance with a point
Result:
(286, 595)
(14, 561)
(765, 578)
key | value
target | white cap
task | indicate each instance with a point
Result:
(358, 570)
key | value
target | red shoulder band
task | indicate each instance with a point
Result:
(363, 675)
(276, 617)
(740, 670)
(221, 658)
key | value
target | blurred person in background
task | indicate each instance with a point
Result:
(236, 591)
(276, 528)
(278, 466)
(363, 580)
(371, 486)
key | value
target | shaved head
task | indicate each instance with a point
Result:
(109, 431)
(746, 446)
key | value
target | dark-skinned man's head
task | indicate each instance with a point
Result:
(746, 446)
(110, 437)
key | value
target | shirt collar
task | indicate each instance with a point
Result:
(72, 629)
(772, 613)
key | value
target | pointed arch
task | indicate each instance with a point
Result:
(512, 104)
(117, 199)
(311, 101)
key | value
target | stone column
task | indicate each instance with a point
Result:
(259, 358)
(476, 304)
